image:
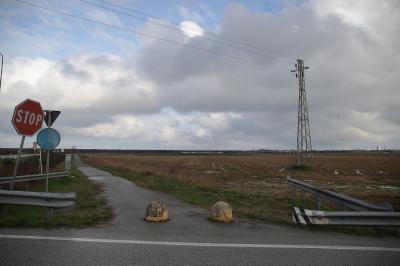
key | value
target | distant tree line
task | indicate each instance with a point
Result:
(6, 151)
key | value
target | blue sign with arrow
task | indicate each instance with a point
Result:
(48, 139)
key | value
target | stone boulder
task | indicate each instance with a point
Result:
(156, 211)
(221, 212)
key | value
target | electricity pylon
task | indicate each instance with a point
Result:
(304, 148)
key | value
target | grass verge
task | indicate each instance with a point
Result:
(89, 208)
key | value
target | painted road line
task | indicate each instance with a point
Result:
(195, 244)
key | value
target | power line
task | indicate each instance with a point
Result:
(194, 29)
(148, 35)
(273, 57)
(205, 32)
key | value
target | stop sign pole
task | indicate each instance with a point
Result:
(27, 119)
(17, 163)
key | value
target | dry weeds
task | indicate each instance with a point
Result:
(374, 178)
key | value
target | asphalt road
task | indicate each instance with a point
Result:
(187, 239)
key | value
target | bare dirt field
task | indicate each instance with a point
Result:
(374, 178)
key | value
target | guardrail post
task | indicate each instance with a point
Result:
(49, 213)
(293, 196)
(318, 202)
(68, 164)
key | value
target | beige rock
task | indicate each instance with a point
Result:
(221, 212)
(156, 211)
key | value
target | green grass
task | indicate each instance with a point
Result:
(301, 167)
(89, 209)
(261, 206)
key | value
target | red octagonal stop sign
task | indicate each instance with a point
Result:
(27, 117)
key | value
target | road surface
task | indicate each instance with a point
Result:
(187, 239)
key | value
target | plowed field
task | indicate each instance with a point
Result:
(374, 178)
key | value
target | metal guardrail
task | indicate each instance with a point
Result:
(43, 199)
(25, 178)
(13, 157)
(349, 202)
(313, 217)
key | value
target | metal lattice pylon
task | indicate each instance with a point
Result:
(304, 147)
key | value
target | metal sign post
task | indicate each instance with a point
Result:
(47, 170)
(40, 161)
(48, 139)
(27, 119)
(17, 163)
(48, 122)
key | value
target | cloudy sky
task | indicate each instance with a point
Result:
(190, 74)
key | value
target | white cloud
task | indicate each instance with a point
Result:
(188, 14)
(80, 82)
(27, 70)
(377, 17)
(121, 127)
(168, 133)
(357, 12)
(191, 28)
(201, 133)
(218, 120)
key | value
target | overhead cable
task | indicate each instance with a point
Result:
(161, 24)
(148, 35)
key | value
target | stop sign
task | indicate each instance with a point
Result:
(27, 117)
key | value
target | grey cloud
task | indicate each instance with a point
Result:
(352, 85)
(101, 60)
(70, 70)
(347, 69)
(206, 81)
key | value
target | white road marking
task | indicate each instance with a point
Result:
(195, 244)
